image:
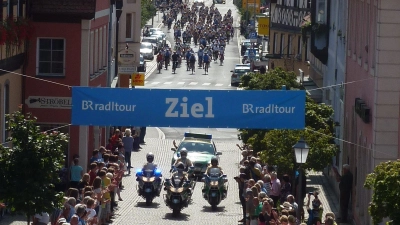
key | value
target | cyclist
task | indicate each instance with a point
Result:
(167, 56)
(175, 57)
(192, 61)
(188, 54)
(206, 60)
(200, 55)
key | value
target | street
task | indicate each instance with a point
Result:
(229, 211)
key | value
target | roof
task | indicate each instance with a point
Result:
(84, 9)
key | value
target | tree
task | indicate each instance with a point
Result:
(385, 184)
(148, 11)
(29, 169)
(276, 145)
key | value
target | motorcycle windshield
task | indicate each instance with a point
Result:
(214, 173)
(148, 173)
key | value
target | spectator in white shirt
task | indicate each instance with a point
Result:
(276, 188)
(41, 219)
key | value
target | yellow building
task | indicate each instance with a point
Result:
(287, 46)
(12, 56)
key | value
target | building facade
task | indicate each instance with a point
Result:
(328, 63)
(69, 48)
(371, 116)
(12, 56)
(287, 47)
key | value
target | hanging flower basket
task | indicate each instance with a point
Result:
(11, 31)
(24, 29)
(14, 31)
(305, 29)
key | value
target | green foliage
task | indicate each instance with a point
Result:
(29, 169)
(272, 80)
(385, 184)
(276, 145)
(148, 11)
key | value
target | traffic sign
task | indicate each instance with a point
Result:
(253, 35)
(127, 69)
(126, 57)
(137, 79)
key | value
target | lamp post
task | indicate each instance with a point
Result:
(301, 149)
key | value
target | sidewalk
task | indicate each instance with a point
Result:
(316, 181)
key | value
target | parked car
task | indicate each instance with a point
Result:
(142, 66)
(159, 39)
(154, 41)
(163, 35)
(146, 49)
(154, 29)
(219, 1)
(238, 72)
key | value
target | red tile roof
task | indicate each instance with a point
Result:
(85, 9)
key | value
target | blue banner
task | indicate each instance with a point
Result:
(188, 108)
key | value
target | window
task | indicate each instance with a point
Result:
(321, 11)
(51, 56)
(96, 50)
(307, 48)
(105, 45)
(10, 8)
(1, 14)
(129, 25)
(20, 8)
(289, 50)
(6, 107)
(282, 43)
(101, 48)
(275, 43)
(91, 54)
(299, 48)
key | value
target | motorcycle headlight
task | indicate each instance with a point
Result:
(157, 173)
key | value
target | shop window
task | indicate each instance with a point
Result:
(51, 57)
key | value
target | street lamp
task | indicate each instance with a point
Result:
(301, 149)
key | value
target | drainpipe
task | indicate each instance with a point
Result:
(109, 75)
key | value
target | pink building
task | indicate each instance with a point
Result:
(371, 120)
(69, 47)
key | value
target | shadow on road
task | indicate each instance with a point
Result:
(208, 208)
(153, 205)
(180, 217)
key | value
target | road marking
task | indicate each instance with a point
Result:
(219, 85)
(155, 82)
(167, 82)
(206, 83)
(192, 83)
(181, 83)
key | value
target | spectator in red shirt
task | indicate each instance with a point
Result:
(92, 173)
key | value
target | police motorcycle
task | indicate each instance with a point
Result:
(214, 190)
(178, 190)
(149, 181)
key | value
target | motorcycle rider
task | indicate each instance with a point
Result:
(214, 164)
(150, 165)
(183, 159)
(180, 173)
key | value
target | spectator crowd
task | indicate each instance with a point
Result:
(268, 198)
(91, 196)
